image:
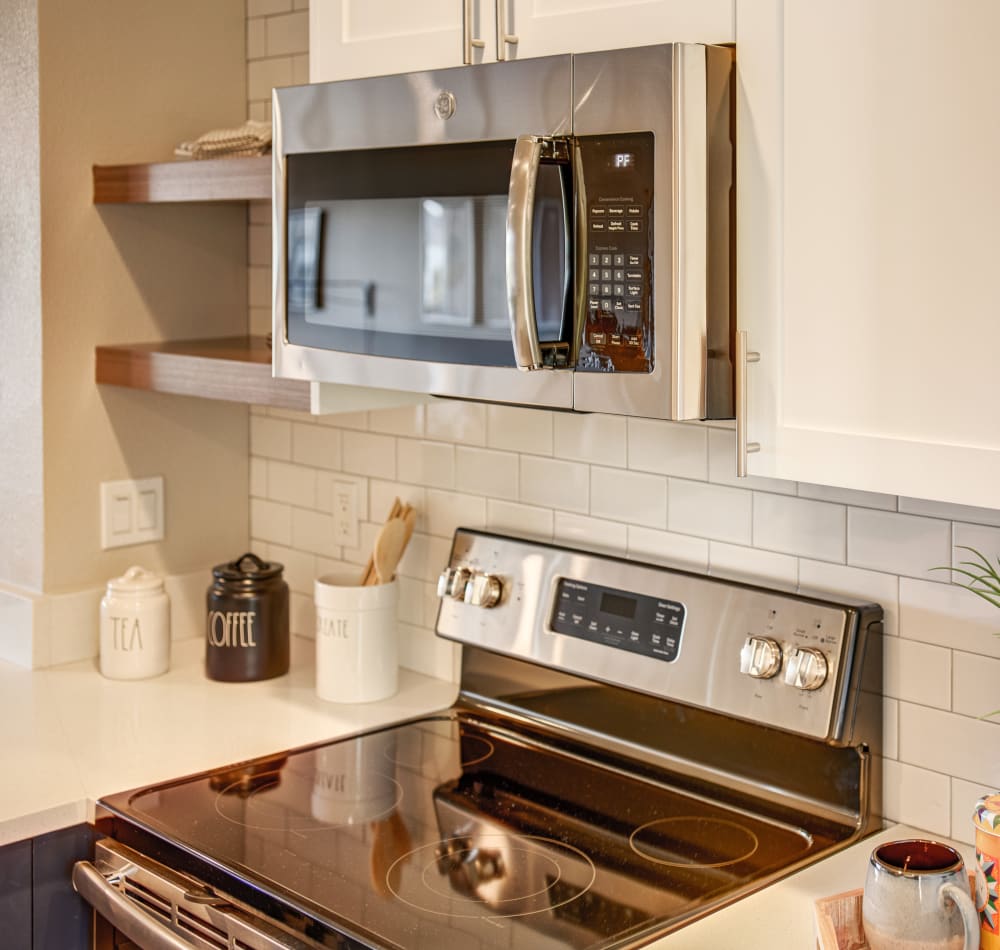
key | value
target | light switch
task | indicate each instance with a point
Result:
(131, 512)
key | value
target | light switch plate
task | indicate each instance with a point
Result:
(131, 512)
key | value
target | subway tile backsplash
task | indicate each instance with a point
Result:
(642, 489)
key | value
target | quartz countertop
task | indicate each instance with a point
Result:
(70, 736)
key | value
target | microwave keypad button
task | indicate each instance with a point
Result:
(618, 224)
(606, 274)
(633, 306)
(620, 276)
(619, 260)
(635, 290)
(594, 259)
(597, 339)
(634, 226)
(616, 212)
(634, 211)
(619, 290)
(605, 260)
(606, 305)
(632, 275)
(616, 339)
(606, 290)
(619, 305)
(634, 260)
(594, 274)
(597, 211)
(632, 339)
(593, 304)
(596, 225)
(593, 289)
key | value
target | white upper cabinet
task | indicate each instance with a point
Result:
(869, 243)
(353, 38)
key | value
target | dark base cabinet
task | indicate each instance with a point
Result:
(39, 910)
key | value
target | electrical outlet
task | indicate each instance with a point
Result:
(345, 513)
(131, 512)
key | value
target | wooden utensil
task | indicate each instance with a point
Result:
(389, 547)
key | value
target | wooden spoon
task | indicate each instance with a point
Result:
(389, 547)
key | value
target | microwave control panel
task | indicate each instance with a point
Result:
(618, 324)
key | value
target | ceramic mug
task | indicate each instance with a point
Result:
(917, 898)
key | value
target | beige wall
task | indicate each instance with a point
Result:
(20, 302)
(119, 83)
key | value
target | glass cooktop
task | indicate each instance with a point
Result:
(453, 831)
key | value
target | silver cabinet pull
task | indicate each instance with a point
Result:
(469, 42)
(744, 356)
(504, 39)
(520, 229)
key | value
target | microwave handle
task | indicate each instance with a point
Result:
(520, 229)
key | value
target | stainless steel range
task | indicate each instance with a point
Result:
(632, 747)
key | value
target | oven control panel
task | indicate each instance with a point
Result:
(779, 658)
(651, 626)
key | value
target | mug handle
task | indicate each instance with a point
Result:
(970, 918)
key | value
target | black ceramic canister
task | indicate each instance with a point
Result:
(247, 623)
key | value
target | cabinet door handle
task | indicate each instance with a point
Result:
(469, 42)
(504, 39)
(744, 356)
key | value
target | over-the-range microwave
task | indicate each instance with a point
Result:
(545, 232)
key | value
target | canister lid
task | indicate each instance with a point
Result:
(987, 813)
(247, 569)
(136, 579)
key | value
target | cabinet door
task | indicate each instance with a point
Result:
(353, 38)
(547, 27)
(868, 243)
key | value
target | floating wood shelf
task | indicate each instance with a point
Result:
(237, 369)
(217, 179)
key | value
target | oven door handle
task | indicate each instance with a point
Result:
(520, 270)
(121, 913)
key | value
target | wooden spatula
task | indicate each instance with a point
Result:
(389, 547)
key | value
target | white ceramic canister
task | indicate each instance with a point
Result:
(135, 626)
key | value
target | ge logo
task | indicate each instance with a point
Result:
(444, 105)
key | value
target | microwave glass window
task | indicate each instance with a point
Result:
(401, 252)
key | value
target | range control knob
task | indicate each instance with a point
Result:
(483, 590)
(806, 668)
(760, 657)
(452, 582)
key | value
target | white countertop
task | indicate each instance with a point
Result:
(69, 736)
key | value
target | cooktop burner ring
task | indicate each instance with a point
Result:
(510, 844)
(740, 843)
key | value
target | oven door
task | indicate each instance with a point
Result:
(140, 903)
(391, 200)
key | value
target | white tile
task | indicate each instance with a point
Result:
(590, 437)
(554, 483)
(948, 616)
(425, 557)
(664, 547)
(447, 511)
(357, 421)
(74, 623)
(590, 533)
(383, 494)
(985, 540)
(259, 245)
(669, 448)
(899, 544)
(270, 438)
(302, 615)
(316, 445)
(290, 415)
(890, 728)
(299, 567)
(848, 496)
(422, 651)
(948, 743)
(260, 212)
(260, 321)
(270, 521)
(484, 472)
(367, 454)
(964, 798)
(508, 517)
(450, 420)
(917, 672)
(976, 684)
(292, 484)
(259, 286)
(752, 564)
(815, 529)
(426, 463)
(949, 512)
(519, 430)
(264, 75)
(313, 532)
(633, 497)
(709, 511)
(288, 34)
(403, 420)
(854, 583)
(259, 111)
(722, 466)
(256, 39)
(410, 601)
(267, 7)
(258, 476)
(300, 69)
(917, 797)
(187, 602)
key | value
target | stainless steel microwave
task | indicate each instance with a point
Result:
(545, 232)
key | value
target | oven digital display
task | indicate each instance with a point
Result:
(638, 623)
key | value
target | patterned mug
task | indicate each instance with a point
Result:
(986, 819)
